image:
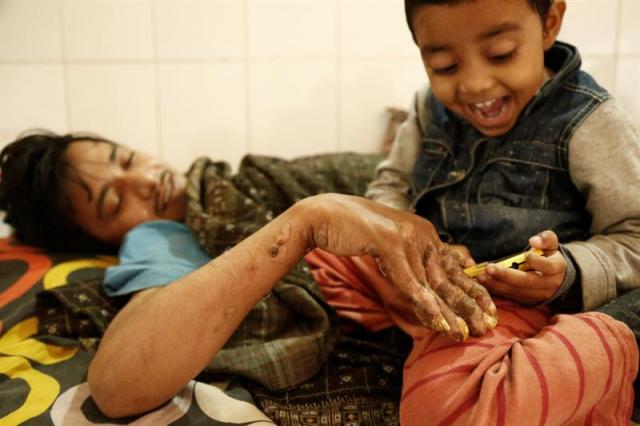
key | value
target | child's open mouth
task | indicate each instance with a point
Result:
(491, 113)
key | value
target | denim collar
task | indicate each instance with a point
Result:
(564, 60)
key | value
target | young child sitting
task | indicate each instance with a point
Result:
(511, 139)
(513, 145)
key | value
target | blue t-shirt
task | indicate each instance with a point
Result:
(154, 254)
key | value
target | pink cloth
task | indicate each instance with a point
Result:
(534, 368)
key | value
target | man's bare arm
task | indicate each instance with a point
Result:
(164, 337)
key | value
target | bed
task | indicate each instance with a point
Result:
(53, 312)
(44, 356)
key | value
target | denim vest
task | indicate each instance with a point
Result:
(493, 193)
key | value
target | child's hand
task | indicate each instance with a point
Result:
(538, 284)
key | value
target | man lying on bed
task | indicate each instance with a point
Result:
(86, 192)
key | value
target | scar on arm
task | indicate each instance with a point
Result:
(281, 240)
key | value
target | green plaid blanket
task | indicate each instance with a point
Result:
(288, 335)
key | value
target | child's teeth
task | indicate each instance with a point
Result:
(484, 104)
(489, 109)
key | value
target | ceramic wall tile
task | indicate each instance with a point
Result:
(292, 107)
(292, 28)
(107, 29)
(31, 96)
(202, 112)
(375, 28)
(591, 26)
(367, 89)
(116, 101)
(200, 29)
(29, 30)
(628, 87)
(629, 28)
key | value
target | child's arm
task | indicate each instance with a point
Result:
(391, 185)
(604, 163)
(547, 274)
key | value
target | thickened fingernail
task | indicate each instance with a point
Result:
(490, 321)
(493, 311)
(441, 324)
(464, 329)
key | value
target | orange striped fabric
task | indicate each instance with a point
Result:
(533, 368)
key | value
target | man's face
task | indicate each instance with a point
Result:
(120, 188)
(484, 59)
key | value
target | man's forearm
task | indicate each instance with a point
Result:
(164, 337)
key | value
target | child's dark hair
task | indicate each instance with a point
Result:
(539, 6)
(33, 172)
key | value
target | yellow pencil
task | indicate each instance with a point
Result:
(519, 261)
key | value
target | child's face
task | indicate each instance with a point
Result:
(484, 58)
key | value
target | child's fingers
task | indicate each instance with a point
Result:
(518, 279)
(524, 294)
(514, 277)
(528, 287)
(551, 265)
(546, 241)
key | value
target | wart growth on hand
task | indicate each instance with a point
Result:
(281, 240)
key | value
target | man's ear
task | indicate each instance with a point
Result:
(553, 23)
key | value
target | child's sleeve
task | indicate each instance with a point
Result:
(604, 163)
(392, 183)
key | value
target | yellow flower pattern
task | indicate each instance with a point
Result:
(16, 349)
(19, 349)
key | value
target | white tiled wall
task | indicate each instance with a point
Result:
(183, 78)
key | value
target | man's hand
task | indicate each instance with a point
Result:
(463, 253)
(538, 284)
(410, 254)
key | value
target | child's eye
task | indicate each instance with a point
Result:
(503, 57)
(445, 70)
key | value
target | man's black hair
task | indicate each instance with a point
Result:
(539, 6)
(33, 176)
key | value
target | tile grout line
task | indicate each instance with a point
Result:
(616, 48)
(338, 70)
(247, 79)
(222, 60)
(65, 66)
(156, 76)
